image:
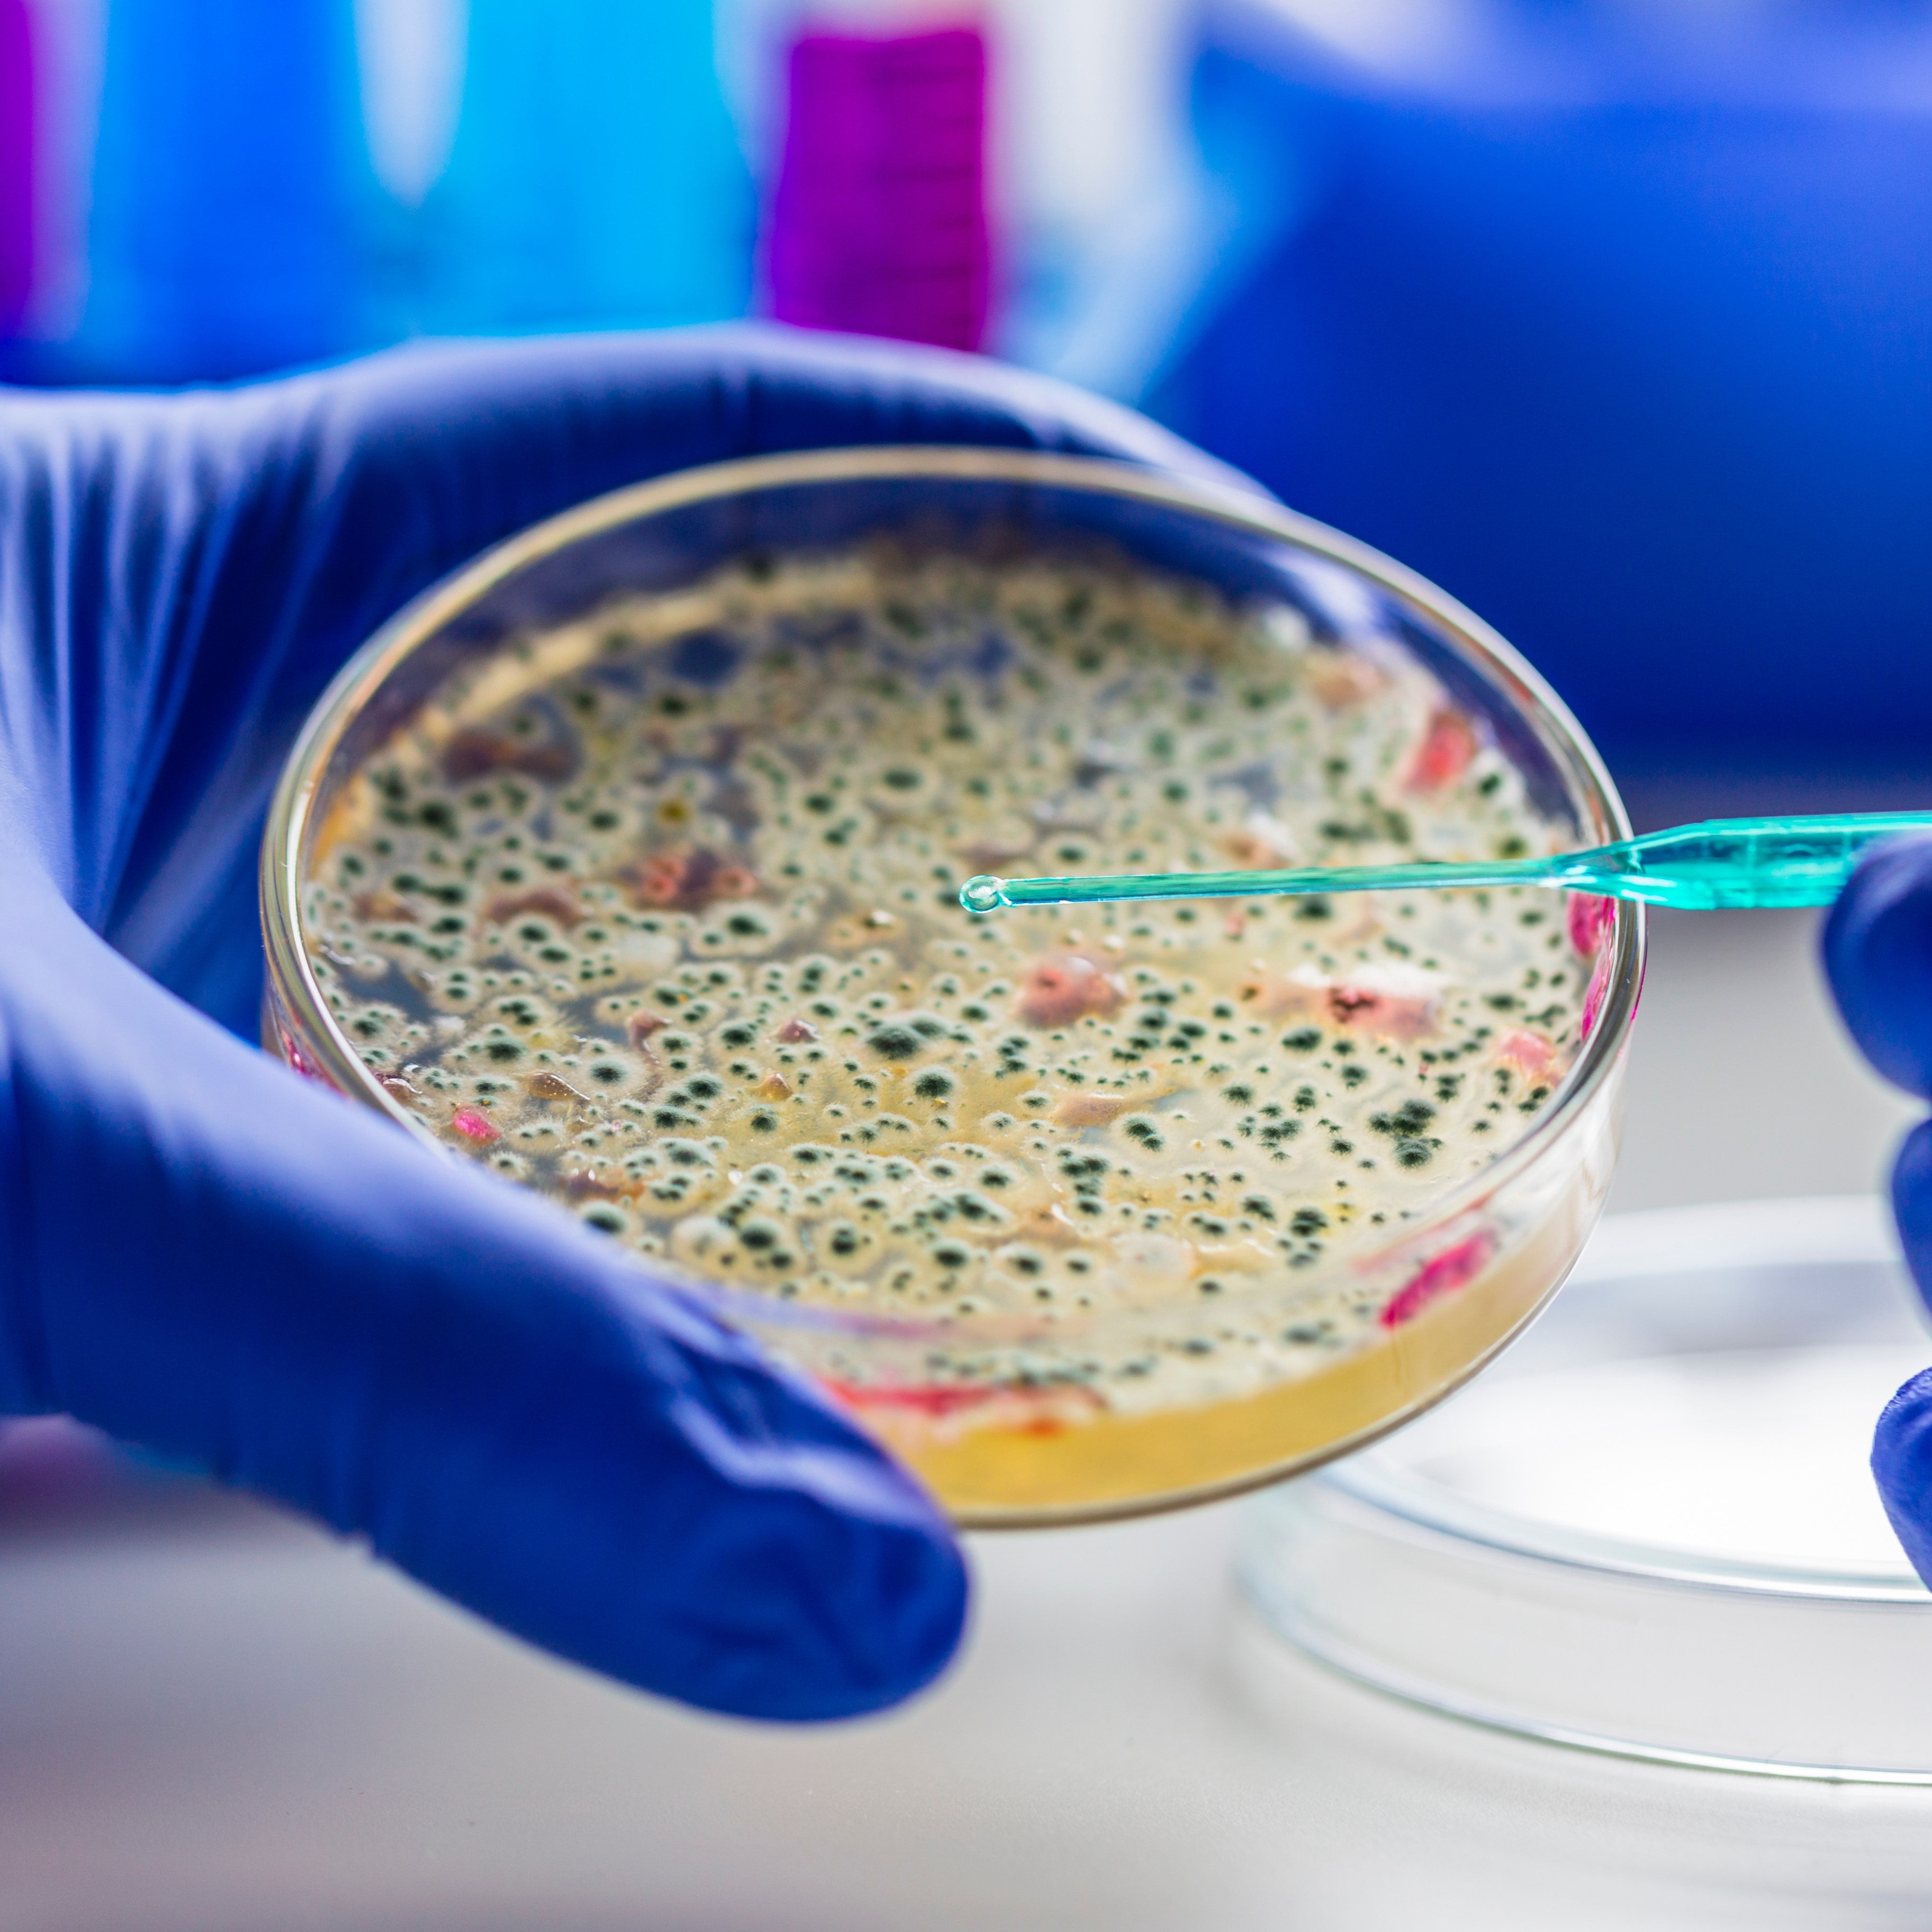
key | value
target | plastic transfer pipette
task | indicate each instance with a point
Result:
(1723, 862)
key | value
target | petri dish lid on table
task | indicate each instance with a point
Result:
(1650, 1530)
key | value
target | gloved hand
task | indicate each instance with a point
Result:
(1878, 956)
(200, 1252)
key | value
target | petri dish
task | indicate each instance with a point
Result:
(1083, 1212)
(1651, 1534)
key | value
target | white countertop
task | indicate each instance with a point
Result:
(210, 1718)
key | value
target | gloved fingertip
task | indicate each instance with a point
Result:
(1877, 948)
(1901, 1461)
(816, 1613)
(880, 1590)
(914, 1602)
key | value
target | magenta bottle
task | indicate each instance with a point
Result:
(879, 222)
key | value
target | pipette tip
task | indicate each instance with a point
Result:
(984, 894)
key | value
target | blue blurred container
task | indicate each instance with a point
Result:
(1629, 348)
(595, 179)
(232, 202)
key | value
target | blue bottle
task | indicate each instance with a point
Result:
(595, 179)
(233, 200)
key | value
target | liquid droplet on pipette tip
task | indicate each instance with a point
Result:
(984, 894)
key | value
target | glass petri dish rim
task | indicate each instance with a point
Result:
(1559, 1593)
(1433, 1512)
(1436, 1514)
(290, 820)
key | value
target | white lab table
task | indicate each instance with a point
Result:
(211, 1718)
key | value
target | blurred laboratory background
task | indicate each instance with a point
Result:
(1610, 316)
(1613, 317)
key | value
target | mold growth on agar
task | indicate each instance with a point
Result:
(657, 914)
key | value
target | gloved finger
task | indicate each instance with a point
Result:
(1901, 1457)
(200, 1253)
(1901, 1461)
(1911, 1203)
(1877, 946)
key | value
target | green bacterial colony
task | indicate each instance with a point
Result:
(656, 913)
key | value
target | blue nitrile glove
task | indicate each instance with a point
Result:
(200, 1252)
(1878, 956)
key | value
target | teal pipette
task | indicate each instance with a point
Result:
(1723, 862)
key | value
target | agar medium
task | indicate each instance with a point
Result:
(621, 866)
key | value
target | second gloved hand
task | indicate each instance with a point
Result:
(1878, 956)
